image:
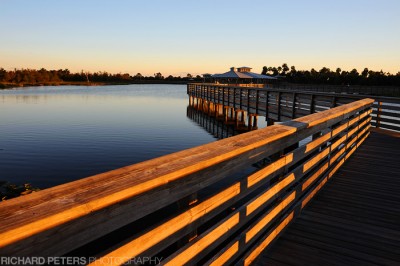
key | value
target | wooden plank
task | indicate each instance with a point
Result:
(387, 107)
(218, 233)
(259, 227)
(348, 218)
(228, 196)
(386, 126)
(348, 249)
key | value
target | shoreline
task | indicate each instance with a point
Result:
(4, 86)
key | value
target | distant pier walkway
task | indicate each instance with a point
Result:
(355, 219)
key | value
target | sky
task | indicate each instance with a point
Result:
(176, 37)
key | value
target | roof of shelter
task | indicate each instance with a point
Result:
(258, 76)
(232, 74)
(243, 75)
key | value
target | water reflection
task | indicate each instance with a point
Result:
(219, 120)
(53, 135)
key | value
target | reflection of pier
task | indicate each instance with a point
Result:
(221, 121)
(215, 127)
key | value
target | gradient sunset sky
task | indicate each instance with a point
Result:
(179, 37)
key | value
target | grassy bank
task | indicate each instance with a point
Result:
(19, 85)
(9, 191)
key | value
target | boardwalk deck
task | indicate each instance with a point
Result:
(355, 219)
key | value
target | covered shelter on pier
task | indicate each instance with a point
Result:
(241, 75)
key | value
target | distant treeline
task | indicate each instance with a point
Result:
(62, 76)
(23, 77)
(337, 77)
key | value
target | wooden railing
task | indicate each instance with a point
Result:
(390, 91)
(283, 105)
(205, 205)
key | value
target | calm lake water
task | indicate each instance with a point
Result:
(53, 135)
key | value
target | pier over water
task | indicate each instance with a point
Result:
(227, 202)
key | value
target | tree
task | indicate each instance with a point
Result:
(264, 70)
(138, 76)
(285, 68)
(3, 73)
(364, 73)
(158, 76)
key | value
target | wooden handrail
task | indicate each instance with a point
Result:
(256, 203)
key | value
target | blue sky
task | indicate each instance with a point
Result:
(176, 37)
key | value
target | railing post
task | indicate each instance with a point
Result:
(378, 114)
(223, 96)
(234, 97)
(333, 103)
(215, 94)
(229, 93)
(294, 106)
(183, 204)
(249, 121)
(266, 105)
(248, 100)
(257, 100)
(241, 93)
(312, 104)
(279, 106)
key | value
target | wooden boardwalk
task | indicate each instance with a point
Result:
(355, 218)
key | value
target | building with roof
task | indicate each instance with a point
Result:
(240, 75)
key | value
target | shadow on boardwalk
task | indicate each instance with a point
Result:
(355, 219)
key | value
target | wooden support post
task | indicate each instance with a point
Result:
(226, 113)
(249, 121)
(255, 121)
(236, 118)
(200, 104)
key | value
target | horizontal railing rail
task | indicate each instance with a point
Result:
(283, 105)
(206, 205)
(391, 91)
